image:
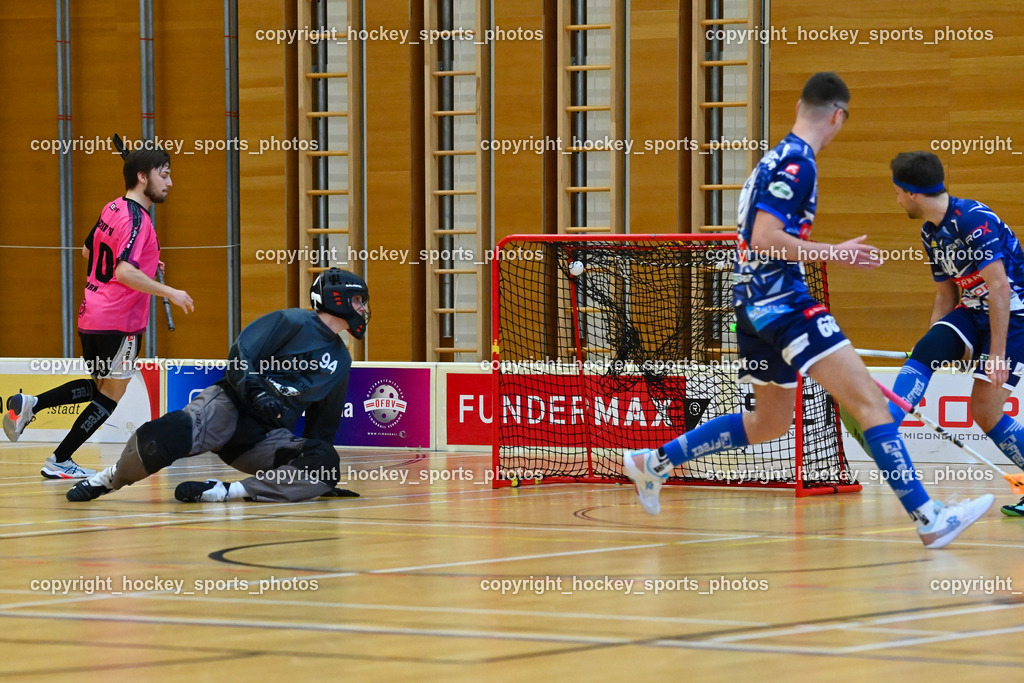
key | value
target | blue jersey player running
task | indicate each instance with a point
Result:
(978, 268)
(782, 330)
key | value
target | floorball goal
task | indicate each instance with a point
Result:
(613, 343)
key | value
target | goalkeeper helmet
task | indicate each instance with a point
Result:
(332, 293)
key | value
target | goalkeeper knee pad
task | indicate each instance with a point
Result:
(164, 440)
(312, 456)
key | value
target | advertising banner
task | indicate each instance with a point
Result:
(140, 403)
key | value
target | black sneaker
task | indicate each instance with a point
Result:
(99, 484)
(1014, 510)
(209, 491)
(84, 491)
(339, 493)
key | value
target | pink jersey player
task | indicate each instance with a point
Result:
(124, 232)
(124, 257)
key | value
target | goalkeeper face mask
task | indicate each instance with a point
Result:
(343, 295)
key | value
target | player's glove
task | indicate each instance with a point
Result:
(266, 405)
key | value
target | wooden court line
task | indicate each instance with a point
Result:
(483, 561)
(909, 642)
(890, 631)
(207, 515)
(210, 515)
(476, 611)
(433, 495)
(641, 531)
(516, 527)
(267, 510)
(819, 628)
(259, 510)
(221, 653)
(65, 599)
(330, 628)
(498, 635)
(516, 558)
(293, 508)
(841, 651)
(730, 642)
(720, 643)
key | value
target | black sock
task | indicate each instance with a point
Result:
(75, 391)
(94, 415)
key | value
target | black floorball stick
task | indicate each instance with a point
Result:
(119, 146)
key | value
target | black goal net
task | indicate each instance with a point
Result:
(606, 344)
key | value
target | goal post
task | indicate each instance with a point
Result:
(602, 344)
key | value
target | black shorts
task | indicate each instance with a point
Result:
(110, 356)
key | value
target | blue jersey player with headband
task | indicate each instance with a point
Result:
(782, 330)
(978, 268)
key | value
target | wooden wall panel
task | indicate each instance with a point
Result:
(28, 179)
(105, 99)
(190, 108)
(188, 41)
(268, 211)
(655, 64)
(905, 94)
(398, 311)
(519, 82)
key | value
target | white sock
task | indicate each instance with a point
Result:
(104, 478)
(214, 494)
(236, 491)
(925, 514)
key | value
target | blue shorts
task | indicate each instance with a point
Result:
(776, 341)
(972, 326)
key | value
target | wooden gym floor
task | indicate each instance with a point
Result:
(406, 581)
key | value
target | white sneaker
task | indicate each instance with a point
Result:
(18, 415)
(647, 483)
(953, 519)
(68, 469)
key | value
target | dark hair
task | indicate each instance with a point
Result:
(825, 89)
(143, 161)
(919, 168)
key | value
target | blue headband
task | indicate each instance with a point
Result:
(920, 190)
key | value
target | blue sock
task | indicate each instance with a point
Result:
(910, 385)
(890, 454)
(1008, 435)
(713, 436)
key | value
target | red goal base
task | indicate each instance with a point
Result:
(800, 490)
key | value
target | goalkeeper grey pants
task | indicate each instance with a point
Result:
(283, 467)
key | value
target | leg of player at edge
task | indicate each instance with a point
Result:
(843, 374)
(942, 345)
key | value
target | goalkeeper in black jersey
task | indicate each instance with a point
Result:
(283, 364)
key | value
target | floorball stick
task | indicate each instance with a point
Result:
(872, 353)
(167, 302)
(1016, 480)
